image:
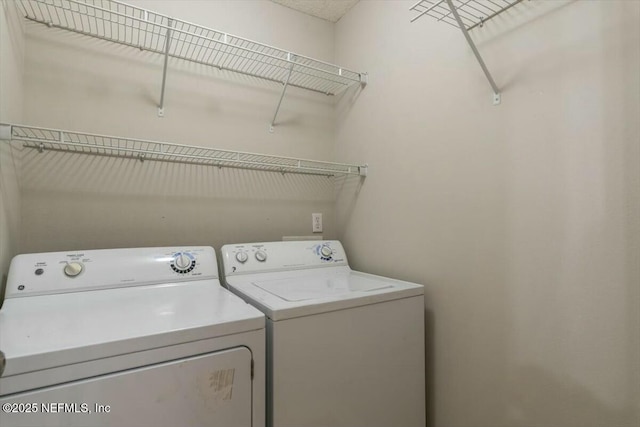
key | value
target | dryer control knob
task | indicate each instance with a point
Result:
(261, 256)
(326, 251)
(242, 257)
(72, 269)
(182, 261)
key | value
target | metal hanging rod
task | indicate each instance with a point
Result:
(466, 15)
(132, 26)
(44, 139)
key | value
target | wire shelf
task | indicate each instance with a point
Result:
(44, 139)
(473, 13)
(140, 28)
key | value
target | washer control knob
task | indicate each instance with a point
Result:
(72, 269)
(261, 256)
(326, 251)
(242, 257)
(182, 261)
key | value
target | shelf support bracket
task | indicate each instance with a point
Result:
(496, 91)
(164, 68)
(284, 89)
(5, 132)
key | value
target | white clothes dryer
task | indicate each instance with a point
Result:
(344, 348)
(139, 337)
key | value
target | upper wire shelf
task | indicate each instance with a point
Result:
(473, 13)
(140, 28)
(44, 139)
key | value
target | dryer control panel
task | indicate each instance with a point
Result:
(282, 256)
(60, 272)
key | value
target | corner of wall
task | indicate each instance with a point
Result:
(12, 45)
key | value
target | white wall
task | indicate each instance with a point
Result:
(11, 96)
(76, 83)
(522, 220)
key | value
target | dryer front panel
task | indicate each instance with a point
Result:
(210, 389)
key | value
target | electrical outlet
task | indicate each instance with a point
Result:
(316, 222)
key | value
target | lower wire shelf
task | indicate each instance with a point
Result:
(44, 139)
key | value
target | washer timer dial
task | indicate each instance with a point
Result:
(183, 262)
(261, 256)
(242, 257)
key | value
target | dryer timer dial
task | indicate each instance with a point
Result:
(72, 269)
(183, 262)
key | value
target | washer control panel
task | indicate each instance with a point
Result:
(59, 272)
(280, 256)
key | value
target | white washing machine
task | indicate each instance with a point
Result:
(344, 348)
(128, 337)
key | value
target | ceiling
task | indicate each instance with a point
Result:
(330, 10)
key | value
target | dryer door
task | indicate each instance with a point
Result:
(210, 389)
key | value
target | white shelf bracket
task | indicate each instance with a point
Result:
(167, 45)
(496, 91)
(5, 132)
(290, 58)
(364, 79)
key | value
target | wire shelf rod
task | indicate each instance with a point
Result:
(138, 20)
(322, 91)
(195, 157)
(473, 13)
(496, 13)
(87, 143)
(325, 91)
(160, 51)
(426, 10)
(177, 30)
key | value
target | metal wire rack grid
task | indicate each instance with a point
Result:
(473, 13)
(44, 139)
(136, 27)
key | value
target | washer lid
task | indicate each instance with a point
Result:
(47, 331)
(289, 294)
(320, 287)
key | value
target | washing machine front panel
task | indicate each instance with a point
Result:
(359, 367)
(344, 348)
